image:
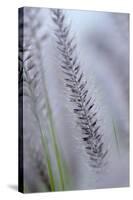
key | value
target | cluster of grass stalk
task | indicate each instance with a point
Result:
(26, 63)
(82, 104)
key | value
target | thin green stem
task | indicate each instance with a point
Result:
(48, 163)
(45, 146)
(58, 156)
(116, 137)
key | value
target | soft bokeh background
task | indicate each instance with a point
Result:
(103, 51)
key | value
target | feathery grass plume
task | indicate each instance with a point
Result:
(34, 72)
(37, 42)
(33, 25)
(26, 81)
(83, 105)
(24, 75)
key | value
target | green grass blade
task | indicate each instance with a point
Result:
(57, 152)
(116, 137)
(50, 173)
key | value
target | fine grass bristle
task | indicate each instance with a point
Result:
(74, 79)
